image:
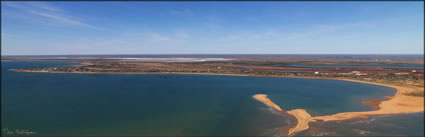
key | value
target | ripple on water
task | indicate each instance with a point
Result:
(400, 125)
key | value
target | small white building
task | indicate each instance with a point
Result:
(355, 72)
(402, 73)
(317, 72)
(344, 73)
(361, 74)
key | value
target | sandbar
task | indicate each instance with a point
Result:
(263, 98)
(398, 104)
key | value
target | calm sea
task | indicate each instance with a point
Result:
(184, 105)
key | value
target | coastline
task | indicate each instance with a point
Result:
(396, 104)
(202, 73)
(188, 73)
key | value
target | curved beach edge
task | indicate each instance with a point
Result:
(398, 104)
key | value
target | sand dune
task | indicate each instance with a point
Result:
(398, 104)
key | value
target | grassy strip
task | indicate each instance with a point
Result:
(419, 94)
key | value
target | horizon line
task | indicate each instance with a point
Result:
(208, 54)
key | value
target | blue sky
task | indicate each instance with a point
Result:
(55, 28)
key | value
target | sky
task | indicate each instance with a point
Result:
(74, 28)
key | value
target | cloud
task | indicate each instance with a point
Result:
(214, 19)
(213, 22)
(156, 36)
(318, 30)
(44, 6)
(181, 12)
(13, 5)
(182, 34)
(49, 12)
(63, 19)
(251, 35)
(270, 35)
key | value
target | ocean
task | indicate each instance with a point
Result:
(60, 104)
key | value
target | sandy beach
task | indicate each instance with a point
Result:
(398, 104)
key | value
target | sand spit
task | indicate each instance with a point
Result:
(303, 119)
(398, 104)
(263, 98)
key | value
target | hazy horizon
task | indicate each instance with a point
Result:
(118, 28)
(217, 54)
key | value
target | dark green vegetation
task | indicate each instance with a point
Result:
(419, 94)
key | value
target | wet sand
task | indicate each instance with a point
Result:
(375, 102)
(398, 104)
(263, 98)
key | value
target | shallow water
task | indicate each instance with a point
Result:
(411, 124)
(141, 104)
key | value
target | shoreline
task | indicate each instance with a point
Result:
(399, 103)
(190, 73)
(228, 74)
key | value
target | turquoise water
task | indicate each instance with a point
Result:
(172, 105)
(387, 125)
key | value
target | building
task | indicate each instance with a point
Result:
(344, 73)
(358, 73)
(361, 74)
(355, 72)
(402, 73)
